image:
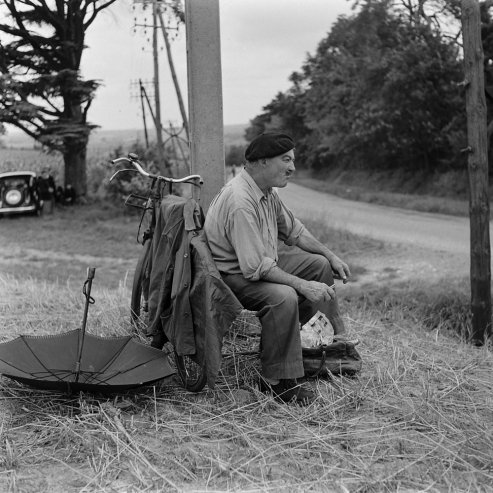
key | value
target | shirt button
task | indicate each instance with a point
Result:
(186, 255)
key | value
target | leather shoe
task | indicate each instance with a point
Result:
(289, 390)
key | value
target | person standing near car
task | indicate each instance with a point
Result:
(284, 285)
(46, 190)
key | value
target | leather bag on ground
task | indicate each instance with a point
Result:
(337, 358)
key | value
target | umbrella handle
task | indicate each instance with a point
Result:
(86, 289)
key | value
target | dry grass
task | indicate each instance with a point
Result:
(418, 417)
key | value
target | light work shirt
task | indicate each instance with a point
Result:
(243, 227)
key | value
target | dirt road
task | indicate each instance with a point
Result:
(423, 245)
(434, 231)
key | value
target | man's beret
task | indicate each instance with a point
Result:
(267, 145)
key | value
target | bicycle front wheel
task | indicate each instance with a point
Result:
(139, 307)
(192, 375)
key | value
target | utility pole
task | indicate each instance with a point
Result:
(205, 95)
(141, 94)
(157, 98)
(479, 209)
(174, 77)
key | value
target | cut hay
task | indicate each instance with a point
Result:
(418, 417)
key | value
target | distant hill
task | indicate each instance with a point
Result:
(103, 140)
(234, 134)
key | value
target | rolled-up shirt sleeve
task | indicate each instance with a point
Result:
(244, 234)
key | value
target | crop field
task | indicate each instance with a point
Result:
(29, 160)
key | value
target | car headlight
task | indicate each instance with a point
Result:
(13, 198)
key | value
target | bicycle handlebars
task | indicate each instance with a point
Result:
(134, 160)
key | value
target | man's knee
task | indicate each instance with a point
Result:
(282, 294)
(281, 299)
(322, 270)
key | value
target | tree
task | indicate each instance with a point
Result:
(284, 113)
(235, 155)
(381, 91)
(43, 93)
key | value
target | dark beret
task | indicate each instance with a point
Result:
(269, 144)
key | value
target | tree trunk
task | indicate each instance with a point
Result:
(74, 158)
(479, 208)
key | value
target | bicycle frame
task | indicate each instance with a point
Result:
(158, 183)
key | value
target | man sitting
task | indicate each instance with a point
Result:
(284, 286)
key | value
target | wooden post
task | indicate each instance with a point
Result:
(477, 150)
(157, 97)
(205, 105)
(141, 87)
(173, 75)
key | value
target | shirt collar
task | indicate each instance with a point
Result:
(259, 195)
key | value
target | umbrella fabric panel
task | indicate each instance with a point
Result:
(126, 359)
(107, 364)
(40, 356)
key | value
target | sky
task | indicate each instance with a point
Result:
(262, 43)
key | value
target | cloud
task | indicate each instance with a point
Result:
(262, 43)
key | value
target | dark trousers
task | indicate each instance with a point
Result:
(281, 310)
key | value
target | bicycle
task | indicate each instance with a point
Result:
(191, 374)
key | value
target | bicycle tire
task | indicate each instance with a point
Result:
(192, 375)
(140, 292)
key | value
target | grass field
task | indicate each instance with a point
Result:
(417, 418)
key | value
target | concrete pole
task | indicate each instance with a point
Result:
(205, 104)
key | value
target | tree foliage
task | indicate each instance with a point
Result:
(380, 91)
(42, 91)
(234, 155)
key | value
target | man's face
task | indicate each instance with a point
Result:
(279, 169)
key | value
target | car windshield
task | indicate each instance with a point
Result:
(14, 182)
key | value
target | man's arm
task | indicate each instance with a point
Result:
(307, 242)
(314, 291)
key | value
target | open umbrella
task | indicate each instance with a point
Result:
(76, 360)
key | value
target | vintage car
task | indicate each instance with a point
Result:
(19, 193)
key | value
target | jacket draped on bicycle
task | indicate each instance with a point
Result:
(188, 300)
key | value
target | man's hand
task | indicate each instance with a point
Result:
(315, 291)
(340, 268)
(309, 243)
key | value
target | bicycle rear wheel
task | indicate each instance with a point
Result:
(191, 374)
